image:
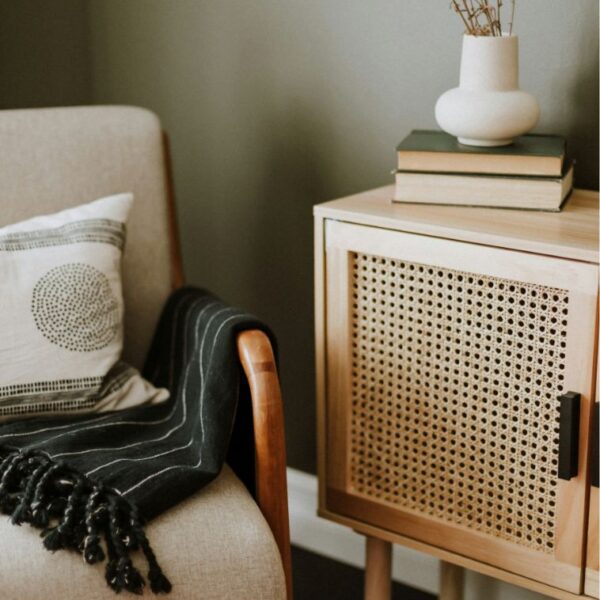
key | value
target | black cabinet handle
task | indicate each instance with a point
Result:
(594, 466)
(568, 441)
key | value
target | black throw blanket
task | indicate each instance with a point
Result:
(89, 482)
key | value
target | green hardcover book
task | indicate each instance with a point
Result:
(439, 152)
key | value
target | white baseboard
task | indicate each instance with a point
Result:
(340, 543)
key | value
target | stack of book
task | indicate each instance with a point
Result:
(532, 173)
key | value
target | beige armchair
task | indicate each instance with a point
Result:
(223, 542)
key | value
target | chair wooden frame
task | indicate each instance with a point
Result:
(258, 362)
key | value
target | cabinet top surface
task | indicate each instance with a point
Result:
(571, 233)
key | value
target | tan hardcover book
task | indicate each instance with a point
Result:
(437, 151)
(532, 193)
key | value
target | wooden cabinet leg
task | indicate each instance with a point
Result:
(378, 569)
(452, 579)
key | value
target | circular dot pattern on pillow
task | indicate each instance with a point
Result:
(75, 308)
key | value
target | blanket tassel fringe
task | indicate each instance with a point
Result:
(76, 513)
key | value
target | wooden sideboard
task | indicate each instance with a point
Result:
(456, 366)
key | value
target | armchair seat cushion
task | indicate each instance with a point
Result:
(214, 545)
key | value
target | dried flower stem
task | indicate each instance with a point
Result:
(498, 11)
(482, 17)
(488, 11)
(458, 11)
(468, 10)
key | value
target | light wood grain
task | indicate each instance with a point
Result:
(592, 575)
(579, 376)
(460, 540)
(452, 581)
(378, 569)
(320, 349)
(258, 362)
(541, 249)
(572, 233)
(367, 528)
(338, 359)
(591, 582)
(449, 254)
(580, 279)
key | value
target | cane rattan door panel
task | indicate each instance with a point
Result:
(445, 362)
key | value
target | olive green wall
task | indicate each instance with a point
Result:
(44, 53)
(275, 105)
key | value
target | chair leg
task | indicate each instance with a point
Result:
(378, 569)
(452, 580)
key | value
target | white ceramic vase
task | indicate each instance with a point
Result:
(487, 108)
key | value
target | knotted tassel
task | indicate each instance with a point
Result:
(40, 513)
(130, 578)
(53, 539)
(62, 536)
(7, 461)
(9, 466)
(123, 574)
(23, 511)
(110, 572)
(159, 583)
(68, 527)
(35, 489)
(56, 507)
(92, 550)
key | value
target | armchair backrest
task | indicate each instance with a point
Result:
(56, 158)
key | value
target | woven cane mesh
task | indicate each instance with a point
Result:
(455, 379)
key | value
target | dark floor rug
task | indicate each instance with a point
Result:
(320, 578)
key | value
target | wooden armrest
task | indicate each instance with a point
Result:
(258, 362)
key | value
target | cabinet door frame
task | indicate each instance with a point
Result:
(591, 581)
(564, 568)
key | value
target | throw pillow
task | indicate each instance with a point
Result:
(61, 314)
